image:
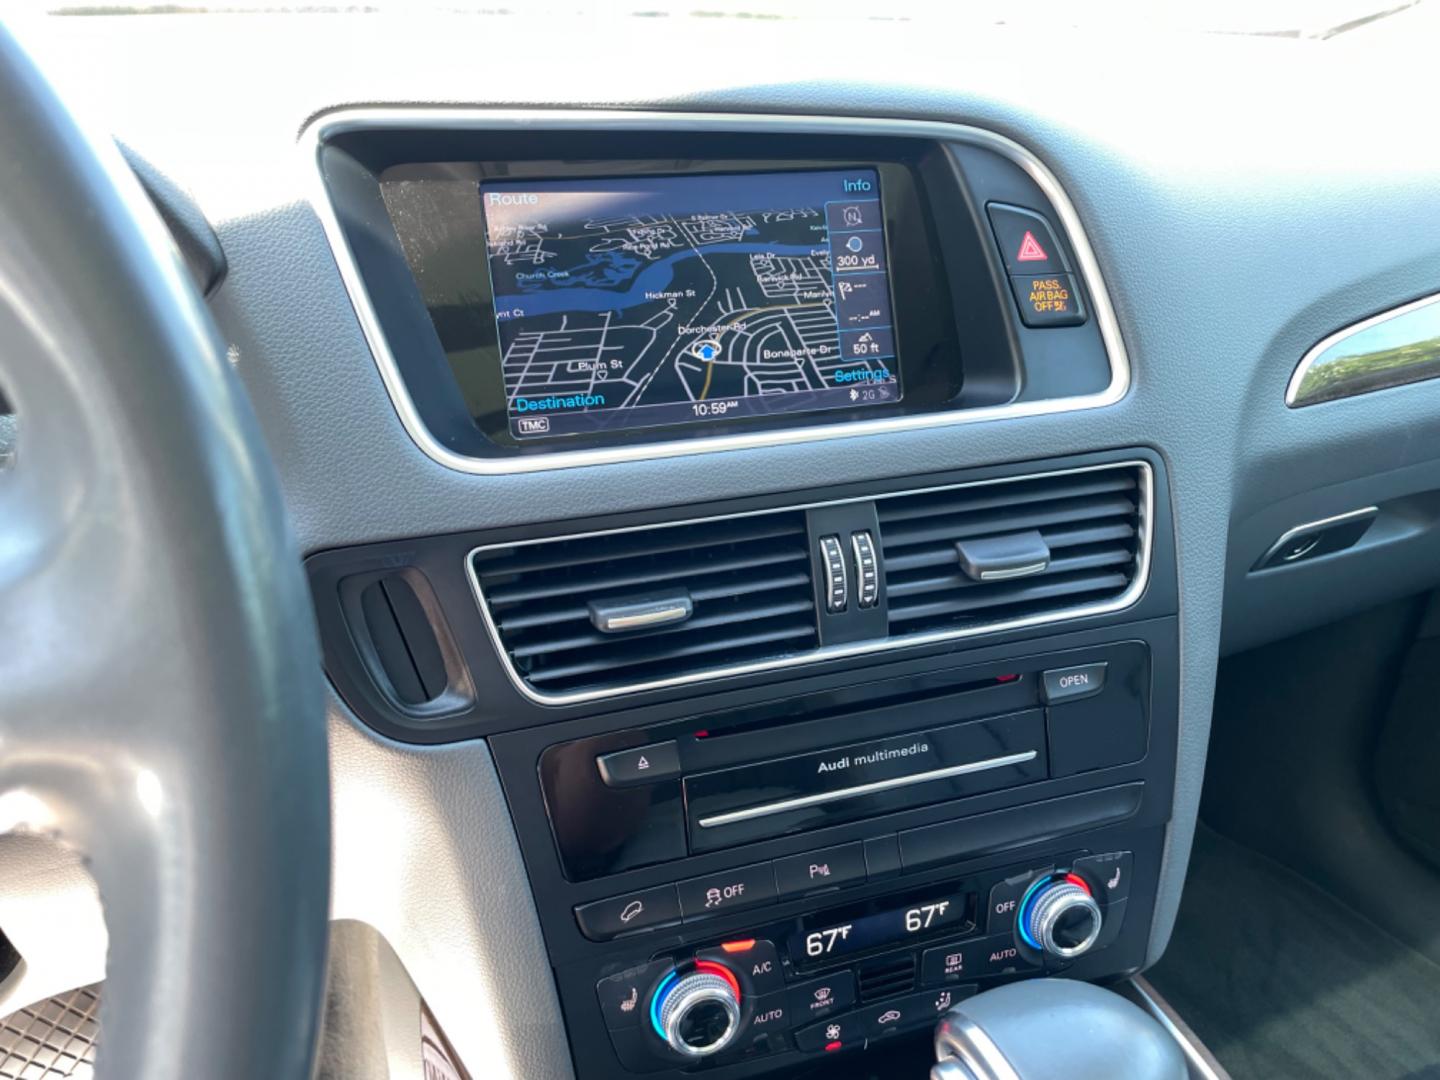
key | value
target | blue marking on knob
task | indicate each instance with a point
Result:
(1022, 913)
(660, 992)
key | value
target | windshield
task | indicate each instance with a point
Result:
(1311, 19)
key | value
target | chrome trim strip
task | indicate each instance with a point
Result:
(324, 127)
(1311, 526)
(1292, 391)
(1201, 1062)
(800, 802)
(1011, 572)
(835, 652)
(657, 617)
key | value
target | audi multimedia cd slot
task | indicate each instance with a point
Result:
(805, 791)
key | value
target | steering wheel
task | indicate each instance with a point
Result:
(161, 696)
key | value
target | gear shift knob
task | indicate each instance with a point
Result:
(1049, 1028)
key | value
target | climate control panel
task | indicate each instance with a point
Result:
(852, 974)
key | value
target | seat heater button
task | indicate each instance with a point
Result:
(622, 997)
(1111, 872)
(933, 1004)
(1072, 683)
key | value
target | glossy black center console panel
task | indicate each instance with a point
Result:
(886, 895)
(810, 857)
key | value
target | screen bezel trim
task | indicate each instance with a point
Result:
(320, 132)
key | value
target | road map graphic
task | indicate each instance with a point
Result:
(622, 303)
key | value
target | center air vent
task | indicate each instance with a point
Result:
(584, 615)
(601, 614)
(1085, 526)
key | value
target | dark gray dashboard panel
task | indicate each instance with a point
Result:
(1237, 220)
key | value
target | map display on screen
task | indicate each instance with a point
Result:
(660, 300)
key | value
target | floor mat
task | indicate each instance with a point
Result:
(54, 1040)
(1282, 980)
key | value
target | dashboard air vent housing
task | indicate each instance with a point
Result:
(744, 584)
(1091, 521)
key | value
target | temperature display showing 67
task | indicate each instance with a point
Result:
(841, 938)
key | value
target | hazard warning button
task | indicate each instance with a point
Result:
(1027, 243)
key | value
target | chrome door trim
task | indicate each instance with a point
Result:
(392, 118)
(1293, 395)
(1143, 544)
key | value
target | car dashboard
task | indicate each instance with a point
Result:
(773, 530)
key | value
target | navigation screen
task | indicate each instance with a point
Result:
(662, 300)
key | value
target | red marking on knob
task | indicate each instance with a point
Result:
(721, 970)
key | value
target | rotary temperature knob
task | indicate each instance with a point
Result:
(698, 1014)
(1059, 916)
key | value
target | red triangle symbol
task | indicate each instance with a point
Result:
(1030, 250)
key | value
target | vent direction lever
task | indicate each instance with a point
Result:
(1001, 558)
(641, 612)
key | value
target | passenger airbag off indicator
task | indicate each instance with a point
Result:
(1047, 299)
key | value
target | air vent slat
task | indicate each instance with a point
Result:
(898, 590)
(747, 581)
(724, 618)
(1012, 494)
(528, 618)
(1090, 521)
(724, 646)
(952, 527)
(967, 601)
(1059, 538)
(644, 575)
(637, 544)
